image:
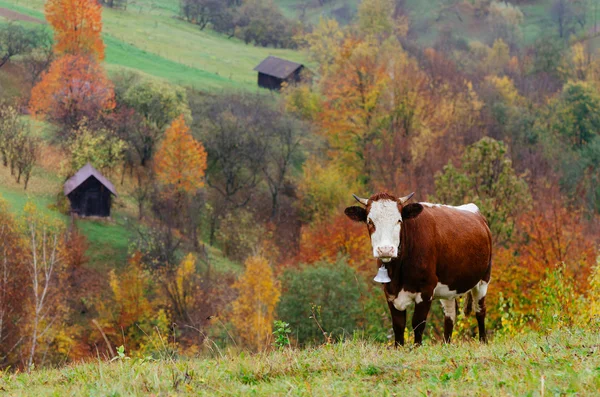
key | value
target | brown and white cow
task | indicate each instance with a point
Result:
(430, 251)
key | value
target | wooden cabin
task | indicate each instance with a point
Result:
(89, 192)
(273, 72)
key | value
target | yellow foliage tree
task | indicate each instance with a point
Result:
(593, 292)
(253, 310)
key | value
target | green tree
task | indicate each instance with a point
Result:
(334, 290)
(486, 177)
(100, 148)
(158, 102)
(577, 114)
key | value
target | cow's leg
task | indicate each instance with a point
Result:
(419, 319)
(399, 323)
(449, 306)
(478, 294)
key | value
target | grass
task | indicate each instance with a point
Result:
(562, 363)
(147, 37)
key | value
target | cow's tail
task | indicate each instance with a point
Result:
(468, 303)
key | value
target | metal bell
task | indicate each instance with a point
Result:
(382, 275)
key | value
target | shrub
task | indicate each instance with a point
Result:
(333, 290)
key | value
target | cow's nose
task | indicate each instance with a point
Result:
(385, 252)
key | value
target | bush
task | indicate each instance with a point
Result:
(333, 290)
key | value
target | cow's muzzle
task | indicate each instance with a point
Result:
(386, 253)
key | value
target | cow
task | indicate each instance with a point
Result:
(430, 251)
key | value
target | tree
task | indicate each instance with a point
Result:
(46, 272)
(18, 147)
(232, 131)
(486, 177)
(101, 148)
(158, 102)
(180, 160)
(505, 20)
(376, 17)
(19, 40)
(254, 309)
(77, 27)
(202, 12)
(343, 238)
(27, 153)
(13, 280)
(577, 116)
(324, 42)
(354, 90)
(322, 189)
(285, 138)
(10, 128)
(74, 88)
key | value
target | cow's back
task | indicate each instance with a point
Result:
(456, 241)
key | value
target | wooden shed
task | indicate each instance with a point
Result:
(273, 71)
(89, 192)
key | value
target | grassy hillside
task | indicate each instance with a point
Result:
(147, 37)
(562, 363)
(428, 17)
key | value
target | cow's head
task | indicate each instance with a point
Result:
(384, 214)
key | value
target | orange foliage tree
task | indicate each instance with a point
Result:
(327, 240)
(75, 87)
(180, 160)
(77, 27)
(253, 310)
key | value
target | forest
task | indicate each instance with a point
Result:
(229, 229)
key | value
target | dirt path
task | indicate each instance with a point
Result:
(17, 16)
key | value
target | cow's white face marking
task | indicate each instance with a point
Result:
(449, 306)
(386, 218)
(405, 298)
(465, 207)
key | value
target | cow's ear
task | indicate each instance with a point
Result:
(411, 211)
(356, 213)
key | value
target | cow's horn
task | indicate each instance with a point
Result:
(406, 198)
(360, 200)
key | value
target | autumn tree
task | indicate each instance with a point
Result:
(13, 294)
(377, 17)
(351, 109)
(486, 177)
(77, 26)
(180, 160)
(75, 87)
(253, 310)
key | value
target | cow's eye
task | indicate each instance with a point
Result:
(399, 220)
(370, 223)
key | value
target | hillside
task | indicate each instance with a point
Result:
(562, 363)
(147, 37)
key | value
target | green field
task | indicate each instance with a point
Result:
(147, 37)
(561, 363)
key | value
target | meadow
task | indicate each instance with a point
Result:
(148, 37)
(563, 362)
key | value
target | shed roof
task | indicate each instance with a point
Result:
(83, 175)
(277, 67)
